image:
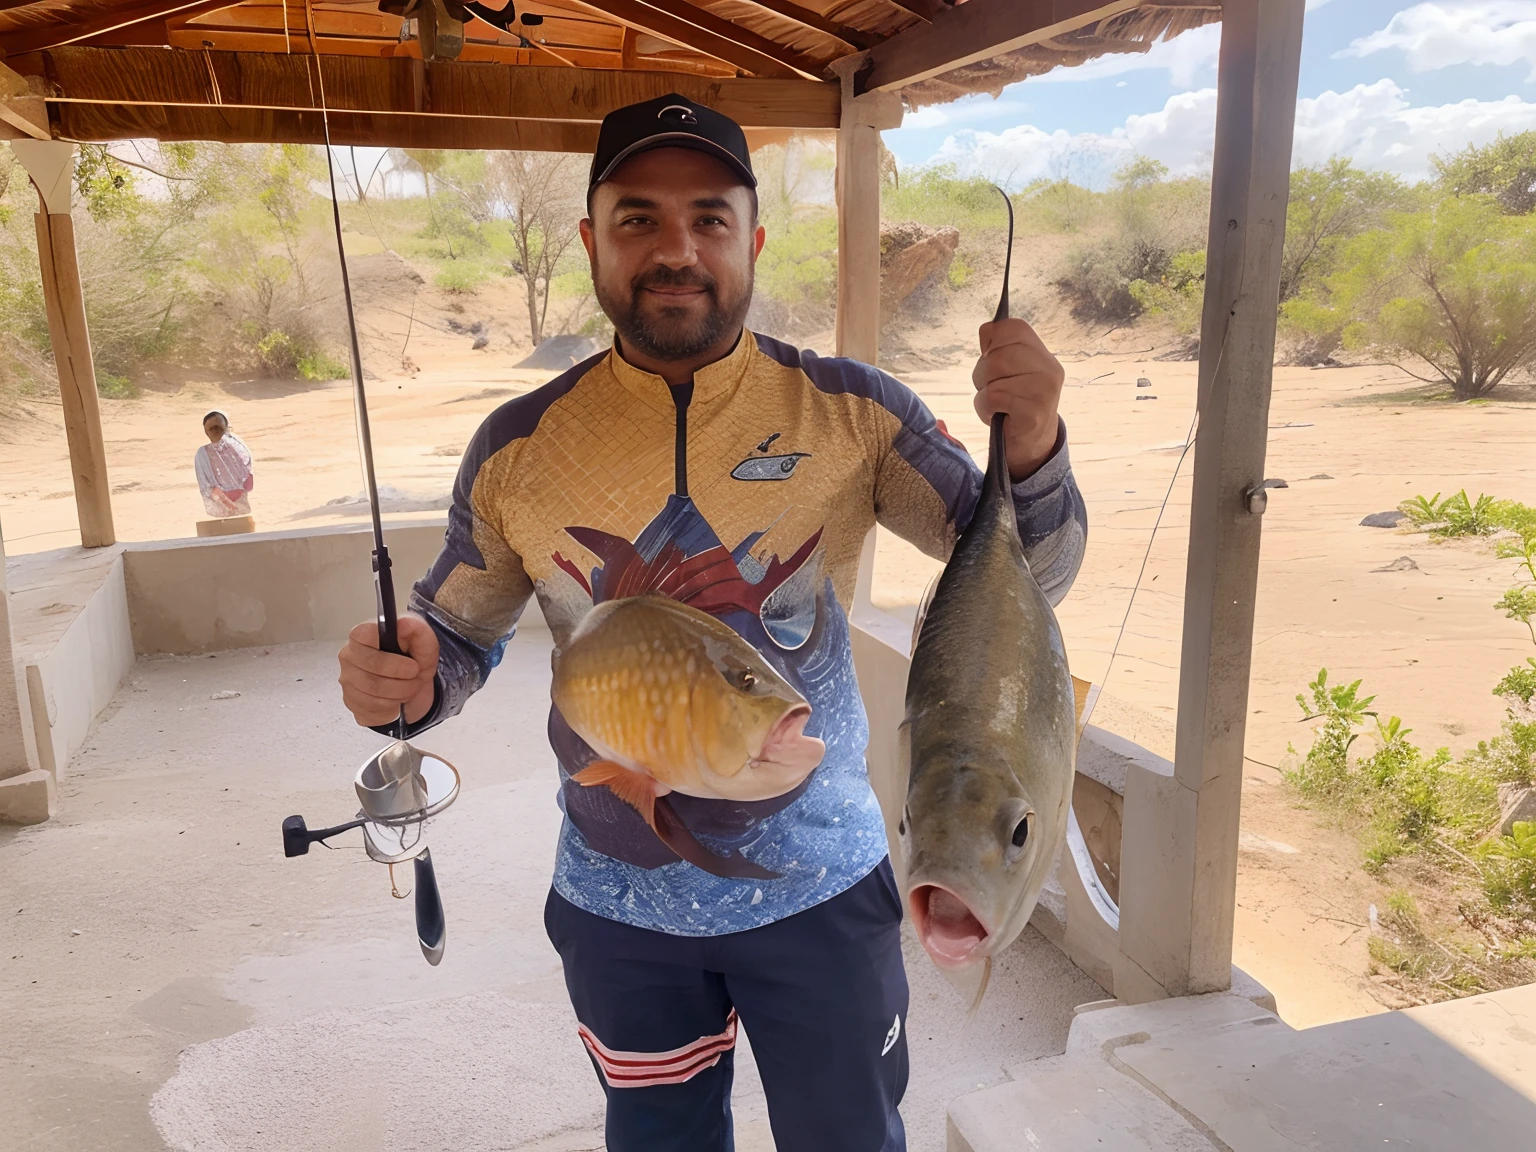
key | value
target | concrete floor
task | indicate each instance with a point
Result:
(173, 981)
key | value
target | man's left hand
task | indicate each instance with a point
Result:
(1018, 376)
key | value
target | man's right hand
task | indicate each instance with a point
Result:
(374, 684)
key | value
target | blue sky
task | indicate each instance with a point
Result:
(1385, 82)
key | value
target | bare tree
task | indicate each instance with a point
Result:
(541, 192)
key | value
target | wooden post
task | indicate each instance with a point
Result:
(1177, 901)
(51, 164)
(881, 644)
(858, 240)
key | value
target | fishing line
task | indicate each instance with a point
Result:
(1189, 442)
(383, 580)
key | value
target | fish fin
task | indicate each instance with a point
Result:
(981, 991)
(676, 836)
(634, 788)
(923, 606)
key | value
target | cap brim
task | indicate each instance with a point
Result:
(679, 140)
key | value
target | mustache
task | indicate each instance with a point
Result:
(673, 278)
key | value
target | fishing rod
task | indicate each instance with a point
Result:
(400, 787)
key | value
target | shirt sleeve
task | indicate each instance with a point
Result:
(927, 485)
(472, 596)
(204, 470)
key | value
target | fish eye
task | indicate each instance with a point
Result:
(1021, 833)
(739, 677)
(1019, 839)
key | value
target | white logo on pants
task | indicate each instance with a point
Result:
(893, 1035)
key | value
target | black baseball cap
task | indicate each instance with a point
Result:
(670, 121)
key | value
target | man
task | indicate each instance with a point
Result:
(693, 439)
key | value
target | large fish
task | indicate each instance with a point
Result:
(989, 740)
(673, 700)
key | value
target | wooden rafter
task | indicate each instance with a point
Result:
(682, 23)
(924, 9)
(102, 122)
(819, 22)
(442, 90)
(56, 35)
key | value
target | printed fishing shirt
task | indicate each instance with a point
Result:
(774, 468)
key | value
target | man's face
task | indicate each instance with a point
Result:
(673, 240)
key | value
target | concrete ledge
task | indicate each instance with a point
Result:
(188, 596)
(28, 798)
(71, 674)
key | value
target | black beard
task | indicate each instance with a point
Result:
(669, 338)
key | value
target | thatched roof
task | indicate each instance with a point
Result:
(181, 69)
(1128, 33)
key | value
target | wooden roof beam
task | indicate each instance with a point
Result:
(978, 30)
(682, 23)
(23, 114)
(47, 36)
(816, 20)
(103, 122)
(442, 89)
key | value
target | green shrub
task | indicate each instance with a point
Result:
(320, 366)
(1509, 757)
(1178, 295)
(1423, 510)
(1520, 683)
(1509, 871)
(292, 356)
(1325, 772)
(1465, 517)
(110, 386)
(461, 276)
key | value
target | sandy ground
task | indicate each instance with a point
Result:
(1350, 442)
(175, 982)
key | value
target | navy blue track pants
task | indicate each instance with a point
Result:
(822, 994)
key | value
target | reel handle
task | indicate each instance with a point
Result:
(297, 837)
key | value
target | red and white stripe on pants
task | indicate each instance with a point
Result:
(649, 1069)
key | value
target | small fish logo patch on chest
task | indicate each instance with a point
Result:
(780, 467)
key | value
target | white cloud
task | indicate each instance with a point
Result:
(967, 110)
(1372, 123)
(1438, 35)
(1179, 135)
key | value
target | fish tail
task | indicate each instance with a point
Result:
(634, 788)
(676, 836)
(986, 978)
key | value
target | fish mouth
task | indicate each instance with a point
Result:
(787, 745)
(951, 934)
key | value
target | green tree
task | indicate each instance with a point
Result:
(1330, 204)
(1449, 288)
(1505, 170)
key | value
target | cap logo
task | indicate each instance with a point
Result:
(684, 113)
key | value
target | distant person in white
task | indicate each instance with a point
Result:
(224, 469)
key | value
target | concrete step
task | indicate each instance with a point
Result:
(1219, 1072)
(1068, 1105)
